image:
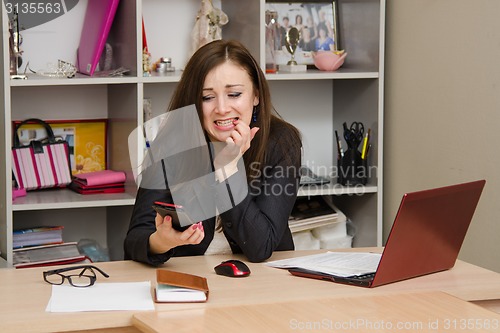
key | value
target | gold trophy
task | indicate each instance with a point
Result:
(291, 43)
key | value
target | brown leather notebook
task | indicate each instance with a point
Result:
(180, 287)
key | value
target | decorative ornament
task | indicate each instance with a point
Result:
(208, 25)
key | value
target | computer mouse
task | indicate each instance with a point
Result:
(232, 268)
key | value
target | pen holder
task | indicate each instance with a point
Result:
(353, 170)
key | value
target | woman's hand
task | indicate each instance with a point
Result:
(242, 136)
(166, 237)
(236, 144)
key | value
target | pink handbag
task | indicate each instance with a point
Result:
(42, 163)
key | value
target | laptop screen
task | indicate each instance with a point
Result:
(428, 231)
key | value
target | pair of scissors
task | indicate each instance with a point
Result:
(354, 134)
(358, 130)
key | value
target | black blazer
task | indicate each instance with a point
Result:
(256, 226)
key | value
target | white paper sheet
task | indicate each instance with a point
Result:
(334, 263)
(101, 297)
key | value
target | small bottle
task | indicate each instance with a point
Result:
(165, 65)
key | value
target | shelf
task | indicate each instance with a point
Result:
(311, 74)
(166, 77)
(335, 189)
(314, 74)
(315, 101)
(37, 80)
(64, 198)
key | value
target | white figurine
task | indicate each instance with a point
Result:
(208, 25)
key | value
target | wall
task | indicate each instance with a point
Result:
(442, 115)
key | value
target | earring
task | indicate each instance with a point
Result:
(254, 114)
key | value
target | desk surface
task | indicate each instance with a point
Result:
(401, 312)
(24, 294)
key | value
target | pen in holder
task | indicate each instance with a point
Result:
(352, 164)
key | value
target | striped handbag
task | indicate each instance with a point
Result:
(42, 163)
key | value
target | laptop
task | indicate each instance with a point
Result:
(426, 236)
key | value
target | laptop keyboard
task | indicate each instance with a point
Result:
(368, 276)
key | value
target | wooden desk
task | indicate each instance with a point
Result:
(24, 294)
(400, 312)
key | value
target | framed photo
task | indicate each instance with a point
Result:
(317, 23)
(86, 138)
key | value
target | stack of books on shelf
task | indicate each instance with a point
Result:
(43, 246)
(48, 255)
(37, 236)
(318, 224)
(105, 181)
(313, 212)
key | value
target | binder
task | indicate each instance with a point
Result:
(96, 26)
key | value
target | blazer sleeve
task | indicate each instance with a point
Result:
(154, 187)
(142, 225)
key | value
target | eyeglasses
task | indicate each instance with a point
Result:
(85, 278)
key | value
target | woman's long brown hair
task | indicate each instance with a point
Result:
(190, 91)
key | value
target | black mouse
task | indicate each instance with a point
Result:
(232, 268)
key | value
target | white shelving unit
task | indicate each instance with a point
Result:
(316, 102)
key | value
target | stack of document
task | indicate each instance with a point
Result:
(342, 264)
(310, 213)
(108, 296)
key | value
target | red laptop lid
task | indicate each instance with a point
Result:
(428, 232)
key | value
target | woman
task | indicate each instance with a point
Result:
(324, 42)
(306, 43)
(299, 23)
(233, 101)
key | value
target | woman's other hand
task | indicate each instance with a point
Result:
(166, 237)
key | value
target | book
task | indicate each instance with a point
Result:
(96, 26)
(313, 212)
(47, 255)
(306, 207)
(40, 235)
(175, 287)
(105, 181)
(80, 260)
(82, 189)
(144, 39)
(104, 177)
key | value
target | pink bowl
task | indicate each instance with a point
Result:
(328, 60)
